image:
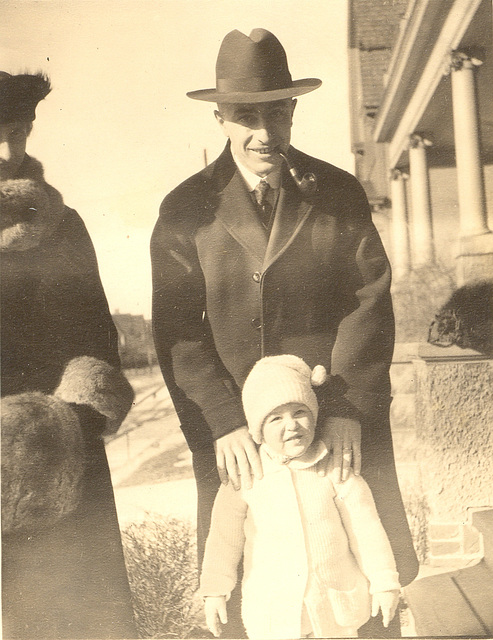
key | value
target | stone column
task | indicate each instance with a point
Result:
(401, 250)
(424, 248)
(472, 198)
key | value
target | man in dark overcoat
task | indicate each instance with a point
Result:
(242, 271)
(63, 571)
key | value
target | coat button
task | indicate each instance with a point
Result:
(257, 276)
(256, 324)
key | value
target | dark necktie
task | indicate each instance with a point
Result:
(264, 207)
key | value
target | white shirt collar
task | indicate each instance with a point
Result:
(252, 179)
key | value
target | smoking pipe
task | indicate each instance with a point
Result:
(306, 184)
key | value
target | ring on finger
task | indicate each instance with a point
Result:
(347, 450)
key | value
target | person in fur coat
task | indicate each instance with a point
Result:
(63, 572)
(336, 566)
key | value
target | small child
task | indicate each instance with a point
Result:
(317, 561)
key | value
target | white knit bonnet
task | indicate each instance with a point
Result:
(277, 380)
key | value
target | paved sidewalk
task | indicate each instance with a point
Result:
(175, 498)
(149, 460)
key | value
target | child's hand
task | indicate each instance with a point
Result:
(215, 612)
(387, 601)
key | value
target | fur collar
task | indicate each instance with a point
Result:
(31, 209)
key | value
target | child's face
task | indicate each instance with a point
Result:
(289, 429)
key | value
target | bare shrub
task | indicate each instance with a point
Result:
(466, 319)
(162, 568)
(418, 297)
(418, 515)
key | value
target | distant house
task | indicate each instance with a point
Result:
(135, 343)
(421, 86)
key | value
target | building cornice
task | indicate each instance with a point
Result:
(430, 31)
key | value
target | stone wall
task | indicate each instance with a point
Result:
(454, 431)
(442, 426)
(403, 417)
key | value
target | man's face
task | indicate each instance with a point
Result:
(257, 132)
(13, 139)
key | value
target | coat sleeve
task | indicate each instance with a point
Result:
(86, 342)
(86, 327)
(363, 348)
(225, 543)
(205, 395)
(367, 538)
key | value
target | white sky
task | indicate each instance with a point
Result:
(117, 132)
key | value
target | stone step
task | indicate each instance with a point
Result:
(451, 540)
(452, 604)
(482, 520)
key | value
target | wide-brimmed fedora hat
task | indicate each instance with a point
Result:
(253, 68)
(20, 94)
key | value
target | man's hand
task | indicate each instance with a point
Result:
(342, 436)
(215, 613)
(387, 601)
(237, 458)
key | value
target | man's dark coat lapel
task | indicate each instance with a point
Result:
(291, 213)
(237, 212)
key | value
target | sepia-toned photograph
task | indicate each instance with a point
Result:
(246, 319)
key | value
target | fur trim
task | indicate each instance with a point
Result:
(31, 169)
(42, 461)
(95, 383)
(30, 209)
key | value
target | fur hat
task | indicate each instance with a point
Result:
(277, 380)
(97, 384)
(42, 461)
(20, 94)
(253, 69)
